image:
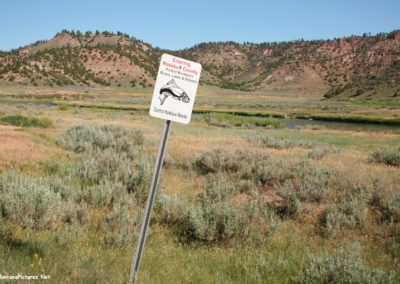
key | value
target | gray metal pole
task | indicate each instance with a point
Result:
(150, 201)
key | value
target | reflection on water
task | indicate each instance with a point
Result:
(292, 123)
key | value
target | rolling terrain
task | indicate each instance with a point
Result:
(356, 67)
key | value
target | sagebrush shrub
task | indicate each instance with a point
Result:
(29, 202)
(120, 226)
(109, 155)
(88, 137)
(320, 151)
(211, 222)
(344, 266)
(218, 190)
(216, 161)
(281, 143)
(221, 215)
(392, 239)
(386, 155)
(268, 172)
(386, 200)
(96, 166)
(346, 214)
(222, 161)
(307, 183)
(169, 208)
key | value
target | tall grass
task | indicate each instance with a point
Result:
(224, 119)
(26, 121)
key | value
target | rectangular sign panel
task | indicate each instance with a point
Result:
(175, 89)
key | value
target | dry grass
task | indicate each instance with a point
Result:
(18, 150)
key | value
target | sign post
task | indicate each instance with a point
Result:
(173, 98)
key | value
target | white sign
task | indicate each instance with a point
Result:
(175, 89)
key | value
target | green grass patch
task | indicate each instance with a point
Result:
(225, 119)
(26, 121)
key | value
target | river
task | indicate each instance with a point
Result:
(292, 123)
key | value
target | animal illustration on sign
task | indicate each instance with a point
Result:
(173, 90)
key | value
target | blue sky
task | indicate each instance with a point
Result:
(177, 24)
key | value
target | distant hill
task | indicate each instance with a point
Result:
(357, 66)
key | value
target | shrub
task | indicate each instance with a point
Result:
(386, 201)
(168, 208)
(107, 155)
(218, 190)
(220, 161)
(385, 155)
(221, 215)
(392, 239)
(104, 194)
(213, 222)
(320, 151)
(307, 183)
(296, 179)
(118, 229)
(28, 202)
(97, 166)
(344, 266)
(87, 137)
(268, 172)
(280, 143)
(216, 161)
(24, 121)
(57, 185)
(346, 214)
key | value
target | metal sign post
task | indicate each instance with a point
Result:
(174, 92)
(150, 201)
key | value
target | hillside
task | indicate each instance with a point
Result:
(358, 66)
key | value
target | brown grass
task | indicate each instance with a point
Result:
(18, 150)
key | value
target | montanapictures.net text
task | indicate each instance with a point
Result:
(24, 277)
